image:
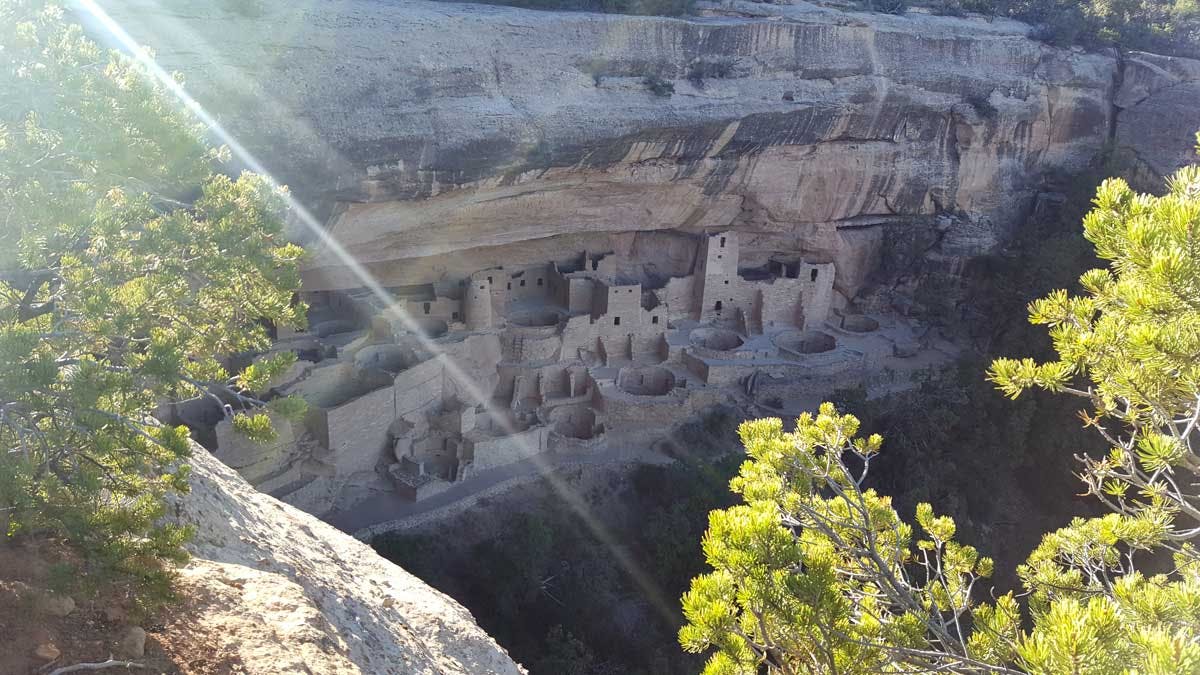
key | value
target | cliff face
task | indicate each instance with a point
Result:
(287, 593)
(1156, 110)
(451, 137)
(442, 139)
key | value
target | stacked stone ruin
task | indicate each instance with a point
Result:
(436, 383)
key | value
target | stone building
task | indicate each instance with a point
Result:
(430, 384)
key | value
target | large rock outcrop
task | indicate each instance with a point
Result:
(1157, 115)
(450, 137)
(288, 593)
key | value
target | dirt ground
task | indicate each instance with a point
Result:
(93, 631)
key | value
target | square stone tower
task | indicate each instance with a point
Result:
(477, 301)
(719, 286)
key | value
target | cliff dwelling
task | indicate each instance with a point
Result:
(532, 268)
(569, 264)
(429, 385)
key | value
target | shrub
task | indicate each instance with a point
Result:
(1167, 27)
(704, 69)
(659, 86)
(817, 572)
(128, 265)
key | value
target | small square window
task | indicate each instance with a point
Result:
(654, 319)
(489, 280)
(482, 287)
(522, 283)
(718, 257)
(454, 316)
(726, 282)
(539, 282)
(616, 321)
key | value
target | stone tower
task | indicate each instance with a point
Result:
(719, 284)
(477, 302)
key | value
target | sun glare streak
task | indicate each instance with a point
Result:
(574, 501)
(177, 30)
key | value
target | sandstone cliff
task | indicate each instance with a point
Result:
(289, 594)
(450, 137)
(441, 139)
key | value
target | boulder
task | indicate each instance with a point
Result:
(47, 651)
(288, 593)
(55, 604)
(133, 643)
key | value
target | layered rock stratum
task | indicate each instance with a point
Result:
(435, 140)
(287, 593)
(447, 138)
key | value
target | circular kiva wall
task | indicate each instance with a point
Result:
(389, 357)
(648, 381)
(574, 421)
(431, 328)
(717, 339)
(333, 327)
(534, 318)
(859, 323)
(806, 341)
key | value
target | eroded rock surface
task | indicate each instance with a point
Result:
(461, 150)
(456, 137)
(290, 594)
(1158, 115)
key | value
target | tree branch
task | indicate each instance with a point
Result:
(96, 666)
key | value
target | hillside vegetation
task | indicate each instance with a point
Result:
(1170, 27)
(130, 266)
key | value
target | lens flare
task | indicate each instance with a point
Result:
(574, 501)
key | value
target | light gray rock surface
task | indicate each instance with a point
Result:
(1158, 112)
(288, 593)
(449, 137)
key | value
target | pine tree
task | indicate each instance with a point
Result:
(129, 267)
(815, 574)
